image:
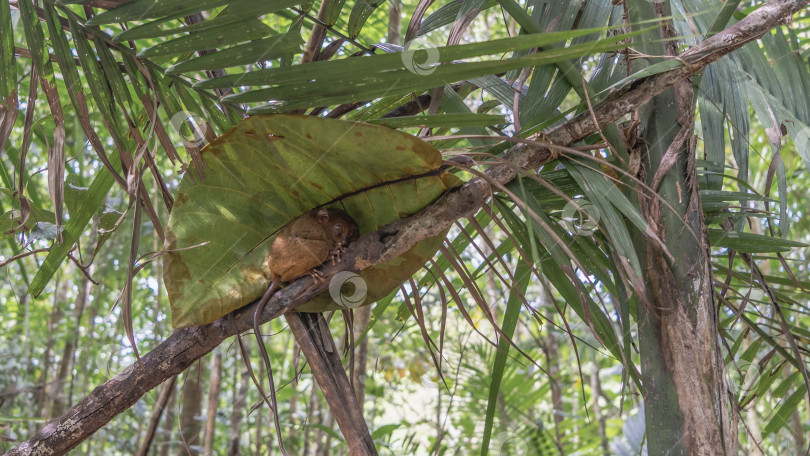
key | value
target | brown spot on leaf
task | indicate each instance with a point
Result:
(252, 134)
(181, 198)
(176, 274)
(358, 133)
(272, 137)
(400, 147)
(427, 153)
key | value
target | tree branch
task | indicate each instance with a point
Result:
(187, 345)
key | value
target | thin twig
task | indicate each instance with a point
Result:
(23, 255)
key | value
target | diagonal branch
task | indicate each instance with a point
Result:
(187, 345)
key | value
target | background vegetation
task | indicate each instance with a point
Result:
(74, 94)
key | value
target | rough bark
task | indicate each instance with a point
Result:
(685, 401)
(312, 334)
(185, 346)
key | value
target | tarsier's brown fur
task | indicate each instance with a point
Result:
(308, 241)
(299, 247)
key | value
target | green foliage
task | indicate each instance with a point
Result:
(528, 276)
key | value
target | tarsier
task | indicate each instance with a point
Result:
(299, 247)
(308, 241)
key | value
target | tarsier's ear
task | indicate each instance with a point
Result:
(322, 215)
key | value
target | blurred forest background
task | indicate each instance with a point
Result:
(125, 88)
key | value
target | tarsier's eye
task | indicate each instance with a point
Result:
(338, 229)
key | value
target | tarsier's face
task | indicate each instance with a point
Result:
(338, 225)
(339, 233)
(343, 231)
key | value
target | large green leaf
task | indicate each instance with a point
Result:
(266, 171)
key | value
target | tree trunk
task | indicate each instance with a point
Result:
(394, 21)
(238, 411)
(686, 405)
(87, 362)
(362, 316)
(157, 413)
(312, 333)
(601, 419)
(190, 426)
(69, 352)
(553, 363)
(311, 433)
(797, 429)
(168, 423)
(260, 424)
(214, 384)
(328, 422)
(292, 404)
(44, 395)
